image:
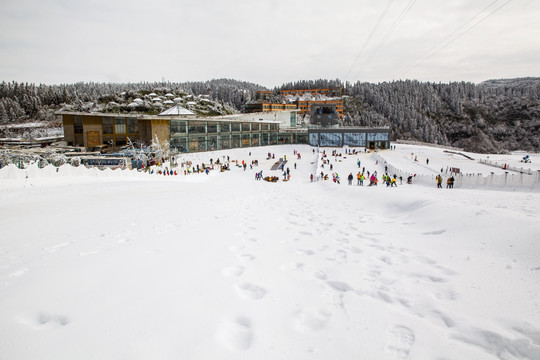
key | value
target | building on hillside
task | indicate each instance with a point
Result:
(263, 95)
(184, 133)
(304, 106)
(324, 114)
(331, 92)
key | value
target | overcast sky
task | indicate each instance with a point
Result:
(268, 42)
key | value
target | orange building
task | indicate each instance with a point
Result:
(336, 91)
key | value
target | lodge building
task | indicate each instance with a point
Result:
(193, 134)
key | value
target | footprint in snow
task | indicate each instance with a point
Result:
(236, 334)
(250, 291)
(399, 341)
(233, 271)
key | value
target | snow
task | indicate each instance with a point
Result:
(127, 265)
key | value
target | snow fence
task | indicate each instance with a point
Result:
(509, 180)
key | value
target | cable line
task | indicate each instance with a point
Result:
(369, 37)
(432, 51)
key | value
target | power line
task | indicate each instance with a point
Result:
(370, 36)
(435, 49)
(390, 31)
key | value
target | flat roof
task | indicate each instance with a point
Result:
(219, 118)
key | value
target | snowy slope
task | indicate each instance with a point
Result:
(126, 265)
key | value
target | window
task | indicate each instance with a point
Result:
(225, 127)
(107, 125)
(331, 139)
(235, 126)
(78, 126)
(133, 127)
(224, 141)
(212, 127)
(377, 136)
(178, 127)
(119, 126)
(314, 139)
(246, 127)
(197, 127)
(354, 139)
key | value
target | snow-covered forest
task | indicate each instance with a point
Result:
(494, 116)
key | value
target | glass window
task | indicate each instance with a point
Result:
(133, 127)
(331, 139)
(212, 143)
(225, 127)
(246, 127)
(377, 136)
(202, 143)
(246, 140)
(255, 139)
(178, 126)
(179, 143)
(354, 139)
(197, 127)
(212, 127)
(107, 125)
(293, 118)
(273, 127)
(266, 126)
(265, 139)
(235, 126)
(314, 139)
(255, 127)
(224, 141)
(119, 126)
(193, 144)
(78, 126)
(235, 141)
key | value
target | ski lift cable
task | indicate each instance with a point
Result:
(389, 32)
(435, 49)
(369, 37)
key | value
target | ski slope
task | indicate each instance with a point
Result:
(126, 265)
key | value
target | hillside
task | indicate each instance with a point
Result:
(494, 116)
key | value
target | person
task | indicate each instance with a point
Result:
(439, 181)
(448, 181)
(452, 182)
(294, 166)
(394, 182)
(311, 178)
(358, 177)
(427, 161)
(350, 178)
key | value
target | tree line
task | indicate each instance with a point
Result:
(493, 116)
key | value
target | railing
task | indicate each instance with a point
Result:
(505, 166)
(507, 180)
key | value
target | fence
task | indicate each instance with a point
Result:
(529, 179)
(507, 167)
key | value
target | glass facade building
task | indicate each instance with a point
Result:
(201, 135)
(372, 138)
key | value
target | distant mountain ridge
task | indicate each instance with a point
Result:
(494, 116)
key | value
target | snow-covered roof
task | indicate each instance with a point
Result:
(138, 100)
(156, 99)
(169, 95)
(178, 99)
(152, 94)
(168, 102)
(176, 110)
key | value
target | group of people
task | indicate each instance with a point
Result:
(449, 182)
